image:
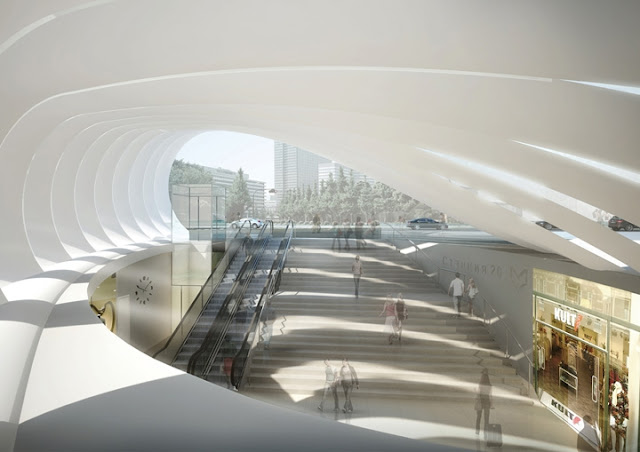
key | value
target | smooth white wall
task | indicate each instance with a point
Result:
(505, 280)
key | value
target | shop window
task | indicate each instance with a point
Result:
(621, 304)
(572, 291)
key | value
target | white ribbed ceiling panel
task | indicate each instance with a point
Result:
(99, 96)
(86, 103)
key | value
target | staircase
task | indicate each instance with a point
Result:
(317, 316)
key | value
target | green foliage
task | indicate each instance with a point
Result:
(188, 173)
(343, 199)
(238, 197)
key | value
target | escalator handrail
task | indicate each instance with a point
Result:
(232, 292)
(217, 331)
(230, 253)
(251, 264)
(247, 348)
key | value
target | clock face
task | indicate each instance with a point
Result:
(144, 290)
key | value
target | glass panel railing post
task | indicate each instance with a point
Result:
(506, 334)
(484, 311)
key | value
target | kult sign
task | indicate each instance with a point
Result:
(570, 318)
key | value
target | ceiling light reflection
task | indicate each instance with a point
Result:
(598, 252)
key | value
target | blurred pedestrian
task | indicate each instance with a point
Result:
(247, 243)
(356, 269)
(471, 292)
(316, 224)
(390, 318)
(360, 243)
(483, 402)
(348, 378)
(331, 379)
(348, 231)
(337, 236)
(401, 315)
(456, 289)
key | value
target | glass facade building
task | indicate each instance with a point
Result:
(587, 349)
(294, 168)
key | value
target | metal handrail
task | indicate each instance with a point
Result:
(252, 337)
(217, 276)
(217, 331)
(486, 303)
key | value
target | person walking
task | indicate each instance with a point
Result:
(360, 243)
(247, 243)
(401, 315)
(356, 269)
(347, 233)
(390, 317)
(316, 224)
(471, 292)
(348, 378)
(483, 402)
(330, 385)
(456, 288)
(337, 237)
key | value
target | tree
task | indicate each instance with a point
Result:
(238, 197)
(340, 198)
(188, 173)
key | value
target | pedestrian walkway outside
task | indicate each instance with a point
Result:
(422, 388)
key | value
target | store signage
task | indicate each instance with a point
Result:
(570, 318)
(576, 422)
(563, 412)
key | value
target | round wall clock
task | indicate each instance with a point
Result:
(144, 290)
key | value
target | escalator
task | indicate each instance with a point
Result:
(217, 344)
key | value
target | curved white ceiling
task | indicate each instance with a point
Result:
(98, 97)
(428, 96)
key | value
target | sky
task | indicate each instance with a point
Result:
(232, 150)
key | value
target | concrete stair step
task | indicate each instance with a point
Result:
(411, 338)
(284, 364)
(392, 353)
(367, 313)
(356, 324)
(434, 392)
(316, 315)
(408, 381)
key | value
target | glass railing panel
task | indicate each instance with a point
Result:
(206, 359)
(261, 317)
(193, 312)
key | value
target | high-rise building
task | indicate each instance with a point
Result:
(325, 169)
(224, 178)
(294, 168)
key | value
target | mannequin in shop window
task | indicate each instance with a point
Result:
(619, 415)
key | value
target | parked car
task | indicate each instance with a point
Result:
(426, 223)
(617, 223)
(545, 224)
(253, 222)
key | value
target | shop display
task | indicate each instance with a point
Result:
(583, 358)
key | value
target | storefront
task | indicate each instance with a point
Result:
(587, 357)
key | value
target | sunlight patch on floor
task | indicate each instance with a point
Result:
(350, 255)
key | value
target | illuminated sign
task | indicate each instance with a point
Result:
(570, 318)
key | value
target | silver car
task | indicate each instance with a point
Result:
(253, 222)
